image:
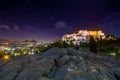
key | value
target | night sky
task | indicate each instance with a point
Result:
(50, 19)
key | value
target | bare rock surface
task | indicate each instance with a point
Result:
(61, 64)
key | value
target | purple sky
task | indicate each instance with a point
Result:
(50, 19)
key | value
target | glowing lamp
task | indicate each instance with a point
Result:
(113, 53)
(6, 57)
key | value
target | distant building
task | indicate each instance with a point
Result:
(31, 42)
(83, 36)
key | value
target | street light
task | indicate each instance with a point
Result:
(6, 57)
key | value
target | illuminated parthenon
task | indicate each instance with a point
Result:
(83, 35)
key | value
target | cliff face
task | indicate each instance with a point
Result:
(61, 64)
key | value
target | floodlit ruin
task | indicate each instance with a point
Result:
(83, 36)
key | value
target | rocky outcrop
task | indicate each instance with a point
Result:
(61, 64)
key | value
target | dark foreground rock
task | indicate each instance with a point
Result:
(61, 64)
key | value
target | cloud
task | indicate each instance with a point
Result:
(4, 27)
(60, 24)
(16, 27)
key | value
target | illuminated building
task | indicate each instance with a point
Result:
(83, 36)
(30, 42)
(97, 34)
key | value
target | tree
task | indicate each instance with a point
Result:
(93, 46)
(64, 44)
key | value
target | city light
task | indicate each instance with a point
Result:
(113, 54)
(6, 57)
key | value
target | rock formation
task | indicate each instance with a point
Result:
(61, 64)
